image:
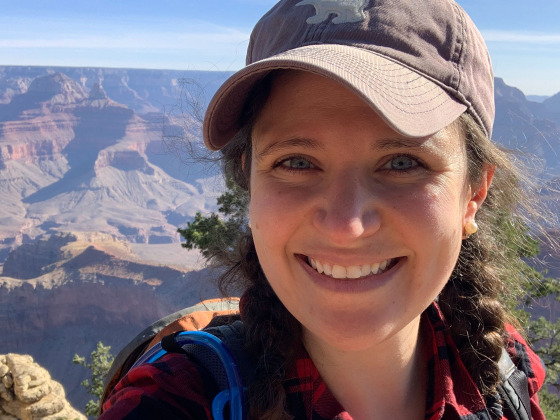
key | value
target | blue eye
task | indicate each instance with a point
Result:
(402, 163)
(297, 162)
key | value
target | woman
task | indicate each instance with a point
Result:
(374, 266)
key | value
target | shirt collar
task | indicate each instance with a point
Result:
(451, 390)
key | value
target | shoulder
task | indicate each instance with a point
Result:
(525, 359)
(174, 387)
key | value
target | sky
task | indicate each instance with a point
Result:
(523, 36)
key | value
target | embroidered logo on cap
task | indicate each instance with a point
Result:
(346, 11)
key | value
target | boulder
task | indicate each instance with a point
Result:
(27, 391)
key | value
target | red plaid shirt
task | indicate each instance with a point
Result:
(175, 388)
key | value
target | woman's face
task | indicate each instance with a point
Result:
(356, 227)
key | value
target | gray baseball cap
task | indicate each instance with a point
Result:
(418, 63)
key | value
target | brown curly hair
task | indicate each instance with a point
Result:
(472, 302)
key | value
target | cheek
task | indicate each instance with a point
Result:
(276, 207)
(443, 230)
(431, 224)
(274, 221)
(270, 217)
(441, 208)
(262, 210)
(279, 222)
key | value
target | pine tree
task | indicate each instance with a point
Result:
(217, 232)
(101, 361)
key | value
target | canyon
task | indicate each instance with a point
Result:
(73, 160)
(98, 169)
(97, 172)
(62, 294)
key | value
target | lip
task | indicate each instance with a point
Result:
(359, 285)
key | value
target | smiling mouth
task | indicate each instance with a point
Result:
(351, 272)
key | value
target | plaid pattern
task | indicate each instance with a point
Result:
(175, 388)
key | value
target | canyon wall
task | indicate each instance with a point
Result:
(74, 159)
(62, 294)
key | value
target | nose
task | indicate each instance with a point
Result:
(347, 209)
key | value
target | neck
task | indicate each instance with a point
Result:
(387, 380)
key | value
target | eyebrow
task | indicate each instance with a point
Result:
(403, 143)
(289, 143)
(304, 142)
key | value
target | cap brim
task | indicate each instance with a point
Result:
(409, 102)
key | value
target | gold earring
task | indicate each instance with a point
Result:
(470, 228)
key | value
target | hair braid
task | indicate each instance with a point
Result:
(271, 334)
(475, 317)
(474, 302)
(267, 323)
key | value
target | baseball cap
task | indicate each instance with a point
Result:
(418, 63)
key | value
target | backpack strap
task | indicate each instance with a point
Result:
(195, 317)
(232, 336)
(220, 352)
(514, 389)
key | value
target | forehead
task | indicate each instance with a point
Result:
(299, 102)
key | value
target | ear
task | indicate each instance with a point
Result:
(477, 194)
(245, 163)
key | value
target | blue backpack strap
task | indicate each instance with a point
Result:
(514, 389)
(232, 336)
(220, 351)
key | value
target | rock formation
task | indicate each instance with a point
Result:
(27, 392)
(553, 104)
(530, 127)
(143, 91)
(67, 292)
(76, 160)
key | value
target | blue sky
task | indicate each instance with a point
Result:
(523, 36)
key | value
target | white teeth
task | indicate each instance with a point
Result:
(351, 272)
(338, 272)
(312, 262)
(354, 271)
(366, 269)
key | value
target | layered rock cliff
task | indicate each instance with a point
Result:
(87, 150)
(144, 91)
(73, 159)
(530, 127)
(64, 293)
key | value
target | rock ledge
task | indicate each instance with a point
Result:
(27, 392)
